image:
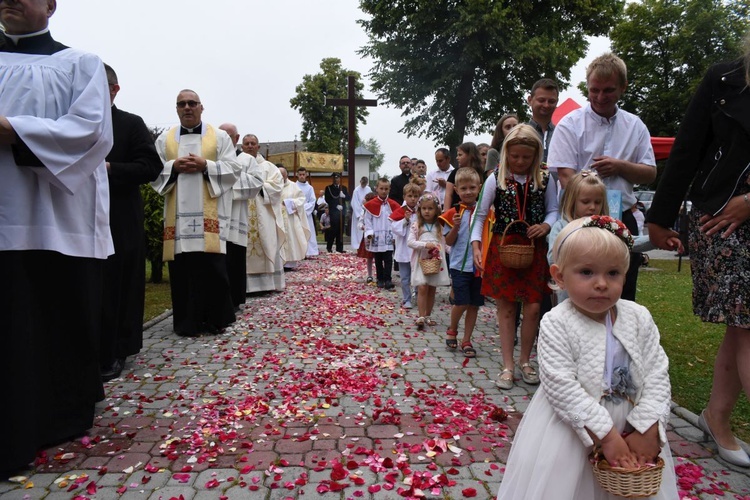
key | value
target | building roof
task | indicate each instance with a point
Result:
(362, 151)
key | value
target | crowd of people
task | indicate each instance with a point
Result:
(540, 208)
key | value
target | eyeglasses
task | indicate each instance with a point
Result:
(190, 104)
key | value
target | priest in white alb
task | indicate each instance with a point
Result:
(295, 222)
(246, 188)
(200, 169)
(55, 132)
(310, 204)
(265, 237)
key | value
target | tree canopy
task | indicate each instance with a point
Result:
(668, 45)
(325, 128)
(455, 66)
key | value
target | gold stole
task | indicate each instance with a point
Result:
(210, 205)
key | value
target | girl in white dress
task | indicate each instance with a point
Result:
(604, 378)
(427, 242)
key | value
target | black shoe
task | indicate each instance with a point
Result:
(113, 371)
(381, 284)
(389, 285)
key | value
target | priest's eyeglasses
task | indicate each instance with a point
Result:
(190, 104)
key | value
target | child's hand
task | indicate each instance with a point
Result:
(430, 245)
(645, 446)
(617, 452)
(456, 219)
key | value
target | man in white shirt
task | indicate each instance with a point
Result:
(437, 178)
(604, 138)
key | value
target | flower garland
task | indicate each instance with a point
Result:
(612, 225)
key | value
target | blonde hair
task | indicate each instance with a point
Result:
(575, 241)
(521, 135)
(429, 198)
(584, 178)
(608, 65)
(412, 188)
(419, 182)
(465, 174)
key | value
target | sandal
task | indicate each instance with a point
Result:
(429, 321)
(530, 377)
(505, 380)
(451, 342)
(420, 323)
(468, 349)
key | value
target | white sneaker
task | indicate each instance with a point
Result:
(406, 305)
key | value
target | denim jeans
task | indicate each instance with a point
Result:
(404, 269)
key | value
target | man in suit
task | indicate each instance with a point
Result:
(131, 162)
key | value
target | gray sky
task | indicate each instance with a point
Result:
(244, 58)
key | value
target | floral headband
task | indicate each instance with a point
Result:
(607, 223)
(427, 197)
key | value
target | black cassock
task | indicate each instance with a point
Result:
(50, 317)
(133, 161)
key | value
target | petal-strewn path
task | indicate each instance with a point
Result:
(326, 390)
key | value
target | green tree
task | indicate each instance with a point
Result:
(325, 128)
(378, 157)
(153, 208)
(455, 66)
(668, 45)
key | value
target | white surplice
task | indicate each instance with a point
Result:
(265, 237)
(246, 188)
(295, 224)
(59, 107)
(220, 177)
(310, 204)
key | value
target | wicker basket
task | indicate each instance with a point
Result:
(429, 266)
(516, 256)
(645, 481)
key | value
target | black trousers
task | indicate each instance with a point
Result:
(335, 233)
(631, 277)
(237, 272)
(383, 263)
(50, 317)
(201, 302)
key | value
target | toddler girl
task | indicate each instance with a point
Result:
(518, 189)
(604, 375)
(427, 242)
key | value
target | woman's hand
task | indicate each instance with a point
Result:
(664, 238)
(734, 214)
(477, 251)
(538, 231)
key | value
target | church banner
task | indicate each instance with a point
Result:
(313, 162)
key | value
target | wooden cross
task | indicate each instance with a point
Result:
(352, 102)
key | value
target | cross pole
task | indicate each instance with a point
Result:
(352, 102)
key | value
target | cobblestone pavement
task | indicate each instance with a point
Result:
(326, 390)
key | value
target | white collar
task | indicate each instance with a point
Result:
(15, 38)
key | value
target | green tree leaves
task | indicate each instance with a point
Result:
(455, 66)
(325, 128)
(668, 45)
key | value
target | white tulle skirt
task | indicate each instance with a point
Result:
(548, 460)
